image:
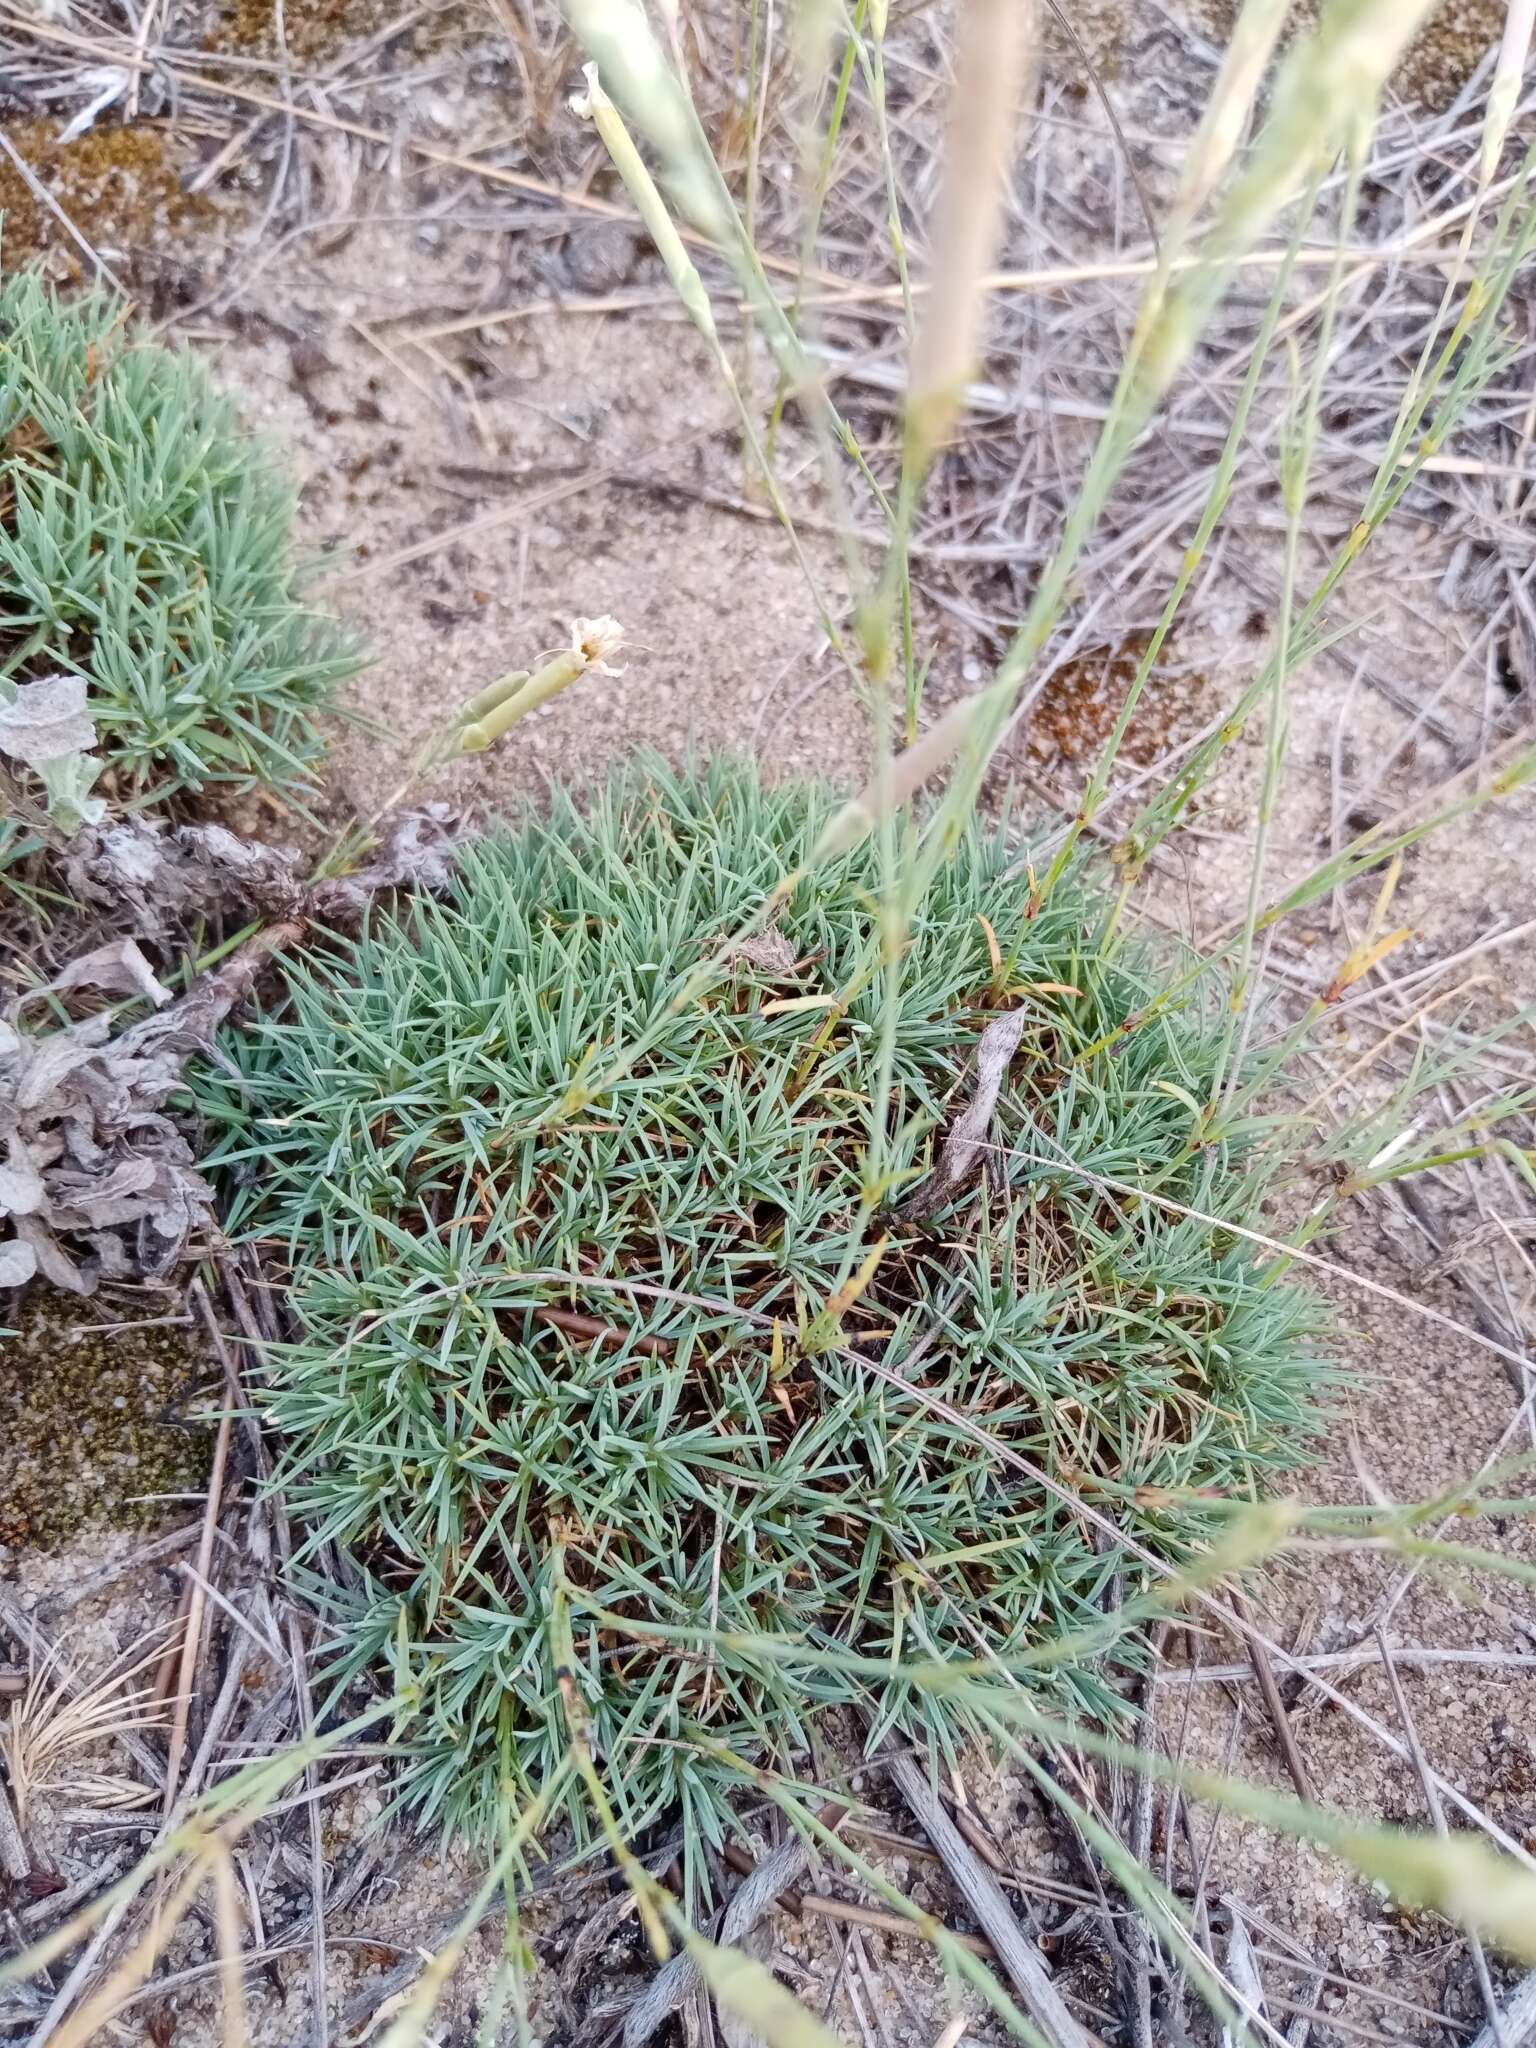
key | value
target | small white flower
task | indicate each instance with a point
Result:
(596, 640)
(580, 103)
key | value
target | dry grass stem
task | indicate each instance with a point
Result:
(995, 41)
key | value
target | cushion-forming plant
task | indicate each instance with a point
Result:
(146, 548)
(588, 1287)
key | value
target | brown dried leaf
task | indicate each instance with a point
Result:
(963, 1147)
(160, 877)
(768, 953)
(46, 720)
(107, 1184)
(163, 876)
(119, 968)
(418, 854)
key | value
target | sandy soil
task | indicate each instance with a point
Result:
(471, 492)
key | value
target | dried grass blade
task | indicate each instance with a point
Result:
(1514, 49)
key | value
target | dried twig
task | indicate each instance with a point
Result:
(14, 1860)
(300, 1676)
(672, 1987)
(1515, 2026)
(1274, 1706)
(989, 1903)
(192, 1642)
(1136, 1944)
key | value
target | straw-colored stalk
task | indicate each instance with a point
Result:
(640, 185)
(1227, 112)
(897, 781)
(690, 288)
(617, 35)
(1328, 86)
(995, 41)
(1519, 25)
(229, 1924)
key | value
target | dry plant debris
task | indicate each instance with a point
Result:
(98, 1179)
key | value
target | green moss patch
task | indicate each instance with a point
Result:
(92, 1423)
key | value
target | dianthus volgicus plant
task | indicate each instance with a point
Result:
(146, 550)
(589, 1287)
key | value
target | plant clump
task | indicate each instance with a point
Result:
(590, 1291)
(146, 549)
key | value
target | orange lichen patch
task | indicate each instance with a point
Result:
(313, 32)
(1448, 49)
(1076, 711)
(120, 186)
(1443, 55)
(316, 31)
